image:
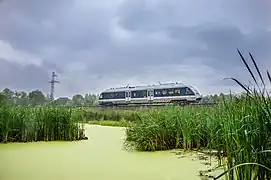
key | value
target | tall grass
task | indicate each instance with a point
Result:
(169, 128)
(19, 124)
(112, 115)
(238, 128)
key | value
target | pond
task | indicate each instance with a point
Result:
(101, 157)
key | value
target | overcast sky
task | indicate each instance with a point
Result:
(98, 44)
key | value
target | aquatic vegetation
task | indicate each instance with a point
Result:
(92, 114)
(19, 124)
(171, 127)
(92, 159)
(238, 128)
(121, 123)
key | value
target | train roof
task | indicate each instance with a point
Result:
(136, 88)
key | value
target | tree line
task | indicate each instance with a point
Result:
(38, 98)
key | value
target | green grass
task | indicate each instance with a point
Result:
(18, 124)
(238, 128)
(169, 128)
(111, 114)
(121, 123)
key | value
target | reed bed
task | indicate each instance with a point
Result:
(238, 128)
(19, 124)
(169, 128)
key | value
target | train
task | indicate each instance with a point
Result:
(150, 94)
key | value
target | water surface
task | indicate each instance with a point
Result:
(101, 157)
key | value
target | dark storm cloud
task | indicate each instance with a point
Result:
(35, 25)
(50, 66)
(28, 77)
(218, 44)
(99, 44)
(222, 43)
(143, 15)
(215, 39)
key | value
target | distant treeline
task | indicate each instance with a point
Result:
(38, 98)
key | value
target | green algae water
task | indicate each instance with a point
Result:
(101, 157)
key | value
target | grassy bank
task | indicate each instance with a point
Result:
(92, 114)
(239, 129)
(112, 117)
(18, 124)
(121, 123)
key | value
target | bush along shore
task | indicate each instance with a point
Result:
(239, 129)
(19, 124)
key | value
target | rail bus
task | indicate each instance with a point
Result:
(150, 94)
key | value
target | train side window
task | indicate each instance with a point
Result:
(164, 92)
(182, 91)
(116, 95)
(157, 92)
(123, 95)
(119, 95)
(106, 96)
(134, 94)
(144, 93)
(139, 94)
(177, 92)
(189, 91)
(171, 92)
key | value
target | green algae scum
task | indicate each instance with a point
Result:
(42, 143)
(102, 156)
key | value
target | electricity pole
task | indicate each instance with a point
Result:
(52, 82)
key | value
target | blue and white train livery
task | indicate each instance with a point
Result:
(162, 93)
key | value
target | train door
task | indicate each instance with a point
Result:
(150, 94)
(128, 96)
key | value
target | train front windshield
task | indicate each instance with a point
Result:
(193, 89)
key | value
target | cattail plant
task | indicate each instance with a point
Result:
(19, 124)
